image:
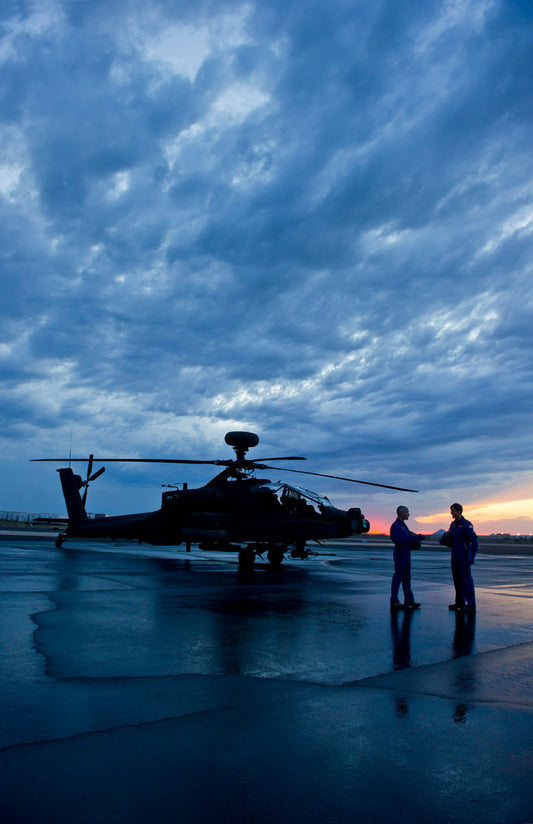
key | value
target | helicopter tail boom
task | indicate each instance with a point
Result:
(71, 485)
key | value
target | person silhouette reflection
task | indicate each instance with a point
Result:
(463, 642)
(401, 707)
(460, 712)
(401, 639)
(401, 652)
(465, 632)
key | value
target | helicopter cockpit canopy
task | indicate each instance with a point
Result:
(287, 494)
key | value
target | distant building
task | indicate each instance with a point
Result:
(28, 517)
(40, 517)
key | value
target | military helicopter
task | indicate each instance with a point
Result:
(235, 511)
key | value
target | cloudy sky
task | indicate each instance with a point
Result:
(311, 220)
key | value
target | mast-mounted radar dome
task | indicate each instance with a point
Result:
(241, 442)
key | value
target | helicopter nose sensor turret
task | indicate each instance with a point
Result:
(359, 523)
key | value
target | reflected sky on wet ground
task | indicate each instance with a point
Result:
(303, 670)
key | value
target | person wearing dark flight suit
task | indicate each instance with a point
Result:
(463, 542)
(404, 541)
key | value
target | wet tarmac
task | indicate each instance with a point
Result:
(150, 685)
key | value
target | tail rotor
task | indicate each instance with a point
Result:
(90, 478)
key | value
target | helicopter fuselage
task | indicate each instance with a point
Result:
(233, 511)
(224, 514)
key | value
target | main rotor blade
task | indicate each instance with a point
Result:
(340, 478)
(134, 460)
(286, 458)
(233, 462)
(226, 462)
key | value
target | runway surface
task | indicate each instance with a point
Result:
(143, 684)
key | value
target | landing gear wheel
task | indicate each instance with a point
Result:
(246, 559)
(299, 550)
(275, 557)
(60, 540)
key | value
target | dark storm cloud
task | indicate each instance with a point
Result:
(313, 221)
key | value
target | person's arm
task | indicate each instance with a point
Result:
(446, 539)
(400, 536)
(473, 543)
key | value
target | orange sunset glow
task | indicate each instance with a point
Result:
(513, 517)
(504, 511)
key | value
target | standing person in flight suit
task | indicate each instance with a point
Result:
(404, 540)
(463, 542)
